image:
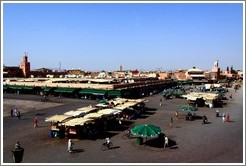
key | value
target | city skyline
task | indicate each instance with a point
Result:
(143, 36)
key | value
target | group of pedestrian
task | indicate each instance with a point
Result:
(15, 113)
(226, 117)
(70, 144)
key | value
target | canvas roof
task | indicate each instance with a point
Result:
(205, 96)
(74, 113)
(87, 109)
(77, 121)
(138, 100)
(80, 111)
(57, 118)
(130, 104)
(121, 107)
(93, 115)
(117, 101)
(109, 111)
(101, 105)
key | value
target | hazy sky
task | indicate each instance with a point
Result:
(137, 36)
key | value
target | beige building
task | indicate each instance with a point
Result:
(195, 74)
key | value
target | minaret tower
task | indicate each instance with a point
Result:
(25, 66)
(216, 69)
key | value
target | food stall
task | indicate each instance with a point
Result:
(76, 127)
(56, 129)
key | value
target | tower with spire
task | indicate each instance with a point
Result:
(25, 66)
(216, 70)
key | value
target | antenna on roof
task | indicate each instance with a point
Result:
(60, 66)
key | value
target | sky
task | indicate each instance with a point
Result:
(142, 36)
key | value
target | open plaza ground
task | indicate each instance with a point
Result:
(194, 142)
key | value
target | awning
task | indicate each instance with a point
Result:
(117, 101)
(93, 115)
(93, 91)
(57, 118)
(15, 87)
(130, 104)
(116, 93)
(74, 113)
(109, 111)
(77, 122)
(103, 105)
(65, 90)
(138, 100)
(99, 92)
(121, 107)
(86, 91)
(47, 89)
(19, 87)
(28, 87)
(5, 86)
(87, 109)
(80, 111)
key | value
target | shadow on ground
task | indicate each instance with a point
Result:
(159, 143)
(78, 150)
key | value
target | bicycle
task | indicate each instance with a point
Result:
(127, 134)
(106, 146)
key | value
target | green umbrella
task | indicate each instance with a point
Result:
(146, 130)
(187, 108)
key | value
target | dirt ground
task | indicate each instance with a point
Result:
(216, 142)
(25, 106)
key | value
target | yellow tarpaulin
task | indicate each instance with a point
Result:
(93, 115)
(77, 121)
(57, 118)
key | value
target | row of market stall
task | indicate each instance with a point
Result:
(203, 99)
(92, 121)
(211, 97)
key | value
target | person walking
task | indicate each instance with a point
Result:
(18, 114)
(166, 142)
(35, 122)
(171, 122)
(217, 113)
(70, 146)
(204, 119)
(227, 118)
(161, 102)
(224, 117)
(177, 114)
(230, 96)
(11, 112)
(15, 112)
